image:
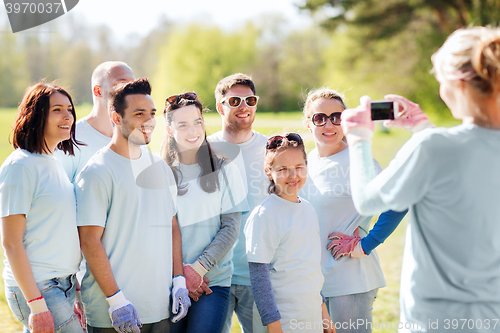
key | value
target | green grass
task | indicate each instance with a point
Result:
(385, 146)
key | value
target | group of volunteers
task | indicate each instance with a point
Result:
(238, 222)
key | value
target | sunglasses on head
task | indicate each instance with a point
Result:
(175, 99)
(320, 119)
(276, 141)
(235, 101)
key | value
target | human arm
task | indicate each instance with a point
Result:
(40, 318)
(325, 316)
(260, 279)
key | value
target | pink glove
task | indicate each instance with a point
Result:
(410, 115)
(40, 319)
(78, 310)
(344, 245)
(357, 123)
(194, 274)
(203, 289)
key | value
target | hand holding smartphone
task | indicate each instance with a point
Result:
(384, 110)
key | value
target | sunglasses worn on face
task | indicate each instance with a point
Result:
(235, 101)
(175, 99)
(276, 141)
(320, 119)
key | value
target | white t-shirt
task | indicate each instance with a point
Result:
(36, 185)
(328, 189)
(94, 141)
(250, 162)
(199, 212)
(134, 200)
(285, 235)
(451, 267)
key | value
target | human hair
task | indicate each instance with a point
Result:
(102, 73)
(117, 100)
(209, 162)
(472, 55)
(322, 93)
(229, 81)
(29, 126)
(271, 154)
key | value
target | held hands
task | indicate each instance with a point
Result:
(180, 298)
(78, 310)
(124, 316)
(40, 319)
(411, 117)
(344, 245)
(196, 282)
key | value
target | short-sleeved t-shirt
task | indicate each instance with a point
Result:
(199, 216)
(285, 235)
(93, 139)
(36, 185)
(328, 189)
(250, 162)
(134, 201)
(450, 179)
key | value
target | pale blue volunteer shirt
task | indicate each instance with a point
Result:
(249, 157)
(450, 178)
(36, 185)
(93, 139)
(199, 216)
(285, 235)
(134, 200)
(328, 189)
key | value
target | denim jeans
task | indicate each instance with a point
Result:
(207, 315)
(346, 310)
(240, 301)
(59, 294)
(159, 327)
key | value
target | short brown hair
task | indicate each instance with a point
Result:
(117, 100)
(229, 81)
(29, 126)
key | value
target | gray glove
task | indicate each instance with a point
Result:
(180, 298)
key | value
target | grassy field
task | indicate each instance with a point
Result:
(385, 146)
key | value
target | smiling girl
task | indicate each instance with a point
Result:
(37, 203)
(283, 246)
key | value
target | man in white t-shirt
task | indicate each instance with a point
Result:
(237, 104)
(126, 206)
(95, 130)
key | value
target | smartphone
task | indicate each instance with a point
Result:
(384, 110)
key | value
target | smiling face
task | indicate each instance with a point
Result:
(239, 118)
(289, 172)
(187, 128)
(59, 120)
(138, 121)
(328, 138)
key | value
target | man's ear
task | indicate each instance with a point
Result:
(116, 118)
(97, 90)
(219, 108)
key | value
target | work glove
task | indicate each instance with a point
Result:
(194, 274)
(124, 316)
(344, 245)
(357, 123)
(410, 117)
(40, 319)
(180, 298)
(195, 295)
(78, 310)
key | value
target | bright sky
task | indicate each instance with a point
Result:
(140, 16)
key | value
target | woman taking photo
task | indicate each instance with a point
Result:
(37, 203)
(209, 207)
(450, 180)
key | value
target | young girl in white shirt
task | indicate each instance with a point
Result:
(283, 247)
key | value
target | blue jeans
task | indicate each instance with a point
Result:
(207, 315)
(159, 327)
(240, 301)
(347, 310)
(59, 294)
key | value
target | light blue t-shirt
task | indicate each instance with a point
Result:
(134, 200)
(250, 162)
(450, 179)
(36, 185)
(328, 189)
(285, 235)
(199, 216)
(93, 139)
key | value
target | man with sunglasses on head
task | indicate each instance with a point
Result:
(237, 104)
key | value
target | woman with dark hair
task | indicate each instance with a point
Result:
(38, 208)
(209, 207)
